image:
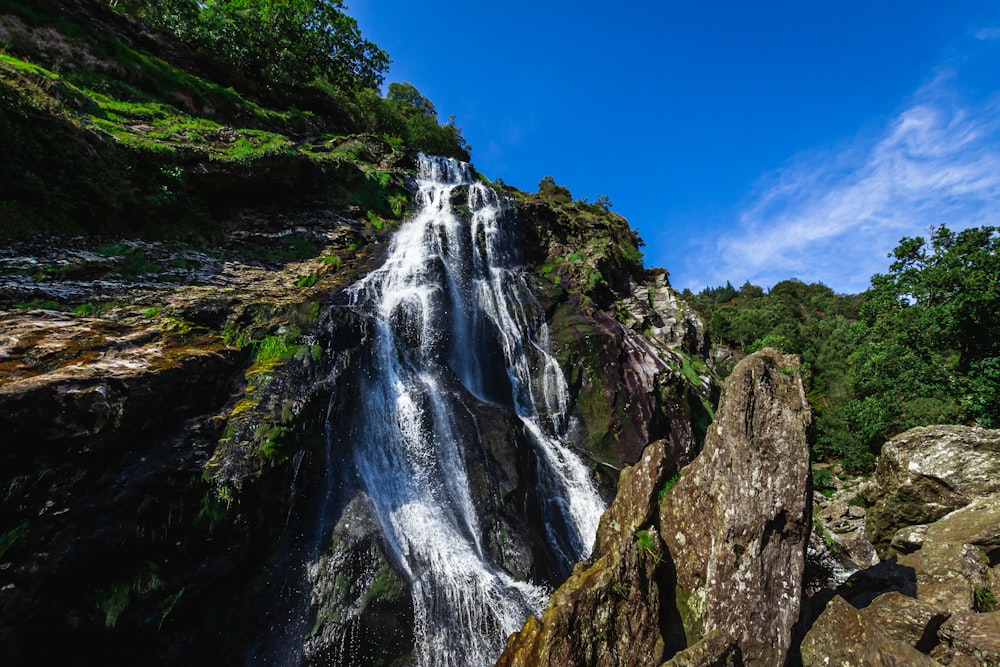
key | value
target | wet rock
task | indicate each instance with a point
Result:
(359, 602)
(737, 522)
(625, 388)
(928, 472)
(602, 614)
(842, 636)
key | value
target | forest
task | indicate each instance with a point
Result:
(919, 347)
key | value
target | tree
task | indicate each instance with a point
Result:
(276, 42)
(410, 101)
(928, 338)
(419, 120)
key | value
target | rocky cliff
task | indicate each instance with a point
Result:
(704, 565)
(179, 362)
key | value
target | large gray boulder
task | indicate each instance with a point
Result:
(844, 636)
(925, 473)
(737, 522)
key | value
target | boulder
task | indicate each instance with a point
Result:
(953, 563)
(927, 472)
(635, 502)
(937, 600)
(843, 636)
(737, 522)
(976, 636)
(906, 619)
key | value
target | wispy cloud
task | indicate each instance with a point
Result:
(834, 216)
(988, 33)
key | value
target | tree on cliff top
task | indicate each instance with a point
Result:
(276, 42)
(928, 337)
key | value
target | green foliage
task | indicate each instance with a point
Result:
(276, 42)
(985, 600)
(646, 542)
(548, 188)
(821, 478)
(797, 318)
(778, 341)
(668, 485)
(927, 345)
(404, 112)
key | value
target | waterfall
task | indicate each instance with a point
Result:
(453, 314)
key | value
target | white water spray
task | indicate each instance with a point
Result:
(448, 291)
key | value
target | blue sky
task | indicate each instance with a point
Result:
(744, 140)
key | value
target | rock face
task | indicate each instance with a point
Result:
(927, 472)
(605, 613)
(708, 569)
(935, 603)
(633, 352)
(843, 636)
(737, 522)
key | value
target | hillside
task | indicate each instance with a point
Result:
(284, 379)
(182, 360)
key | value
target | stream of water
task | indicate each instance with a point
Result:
(451, 302)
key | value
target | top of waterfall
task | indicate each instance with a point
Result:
(446, 170)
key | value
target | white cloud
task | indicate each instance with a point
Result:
(833, 217)
(988, 33)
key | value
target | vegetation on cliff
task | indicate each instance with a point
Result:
(107, 127)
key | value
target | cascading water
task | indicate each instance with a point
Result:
(453, 313)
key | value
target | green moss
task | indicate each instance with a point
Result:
(308, 280)
(273, 347)
(11, 537)
(668, 485)
(985, 600)
(385, 586)
(38, 304)
(92, 309)
(273, 444)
